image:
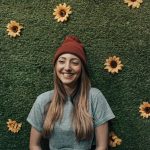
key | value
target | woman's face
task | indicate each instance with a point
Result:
(68, 69)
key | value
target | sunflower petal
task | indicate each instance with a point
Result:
(61, 12)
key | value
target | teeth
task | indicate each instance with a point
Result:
(67, 75)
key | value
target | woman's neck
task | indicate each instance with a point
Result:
(69, 89)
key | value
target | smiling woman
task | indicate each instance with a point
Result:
(74, 112)
(68, 69)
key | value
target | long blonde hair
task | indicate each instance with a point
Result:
(82, 121)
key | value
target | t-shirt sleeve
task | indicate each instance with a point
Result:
(101, 109)
(35, 117)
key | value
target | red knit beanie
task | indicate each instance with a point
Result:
(72, 45)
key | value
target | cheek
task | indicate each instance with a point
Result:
(78, 70)
(58, 68)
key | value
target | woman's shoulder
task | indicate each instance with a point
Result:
(95, 95)
(44, 97)
(94, 91)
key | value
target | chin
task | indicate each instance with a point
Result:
(67, 83)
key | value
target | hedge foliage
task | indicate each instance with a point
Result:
(106, 28)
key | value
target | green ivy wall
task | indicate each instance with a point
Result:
(107, 28)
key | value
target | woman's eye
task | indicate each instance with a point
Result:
(75, 63)
(61, 61)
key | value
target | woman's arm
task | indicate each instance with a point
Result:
(35, 138)
(101, 133)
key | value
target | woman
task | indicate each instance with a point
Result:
(73, 114)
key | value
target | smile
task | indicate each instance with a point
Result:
(67, 75)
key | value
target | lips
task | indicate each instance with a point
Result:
(68, 75)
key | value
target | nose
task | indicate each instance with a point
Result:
(67, 66)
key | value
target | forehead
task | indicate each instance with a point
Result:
(68, 56)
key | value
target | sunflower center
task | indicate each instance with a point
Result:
(14, 29)
(147, 110)
(133, 0)
(62, 13)
(113, 64)
(113, 140)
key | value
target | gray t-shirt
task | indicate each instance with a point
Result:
(63, 136)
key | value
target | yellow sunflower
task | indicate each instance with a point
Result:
(114, 140)
(113, 64)
(62, 12)
(14, 28)
(13, 126)
(133, 3)
(145, 109)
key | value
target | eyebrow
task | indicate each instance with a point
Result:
(71, 58)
